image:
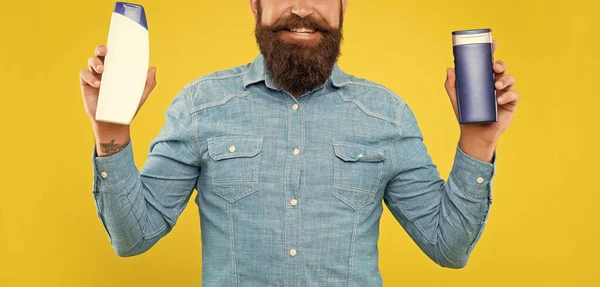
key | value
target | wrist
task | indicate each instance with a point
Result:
(477, 148)
(110, 138)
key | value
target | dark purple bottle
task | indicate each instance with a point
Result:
(475, 78)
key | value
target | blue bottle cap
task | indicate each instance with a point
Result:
(134, 12)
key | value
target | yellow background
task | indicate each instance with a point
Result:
(543, 228)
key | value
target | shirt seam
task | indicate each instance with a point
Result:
(208, 78)
(221, 101)
(193, 124)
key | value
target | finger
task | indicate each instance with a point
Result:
(450, 83)
(86, 77)
(509, 98)
(494, 46)
(450, 86)
(95, 65)
(150, 84)
(101, 51)
(150, 80)
(505, 82)
(499, 67)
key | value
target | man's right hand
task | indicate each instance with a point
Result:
(110, 138)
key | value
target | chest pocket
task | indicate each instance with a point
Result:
(235, 165)
(357, 172)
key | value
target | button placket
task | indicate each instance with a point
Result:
(295, 145)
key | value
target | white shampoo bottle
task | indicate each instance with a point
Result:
(125, 65)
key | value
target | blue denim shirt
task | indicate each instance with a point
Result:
(291, 191)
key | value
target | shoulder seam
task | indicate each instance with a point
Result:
(208, 78)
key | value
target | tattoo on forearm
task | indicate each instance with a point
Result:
(112, 148)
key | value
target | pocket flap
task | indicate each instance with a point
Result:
(353, 152)
(234, 146)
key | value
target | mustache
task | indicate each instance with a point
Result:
(295, 21)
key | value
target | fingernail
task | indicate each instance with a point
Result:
(100, 68)
(97, 83)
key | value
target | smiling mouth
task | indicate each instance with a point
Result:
(302, 31)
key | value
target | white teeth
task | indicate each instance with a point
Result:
(303, 30)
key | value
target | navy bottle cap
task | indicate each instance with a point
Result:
(132, 11)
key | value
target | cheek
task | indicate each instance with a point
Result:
(329, 10)
(272, 10)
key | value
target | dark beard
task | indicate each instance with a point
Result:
(298, 68)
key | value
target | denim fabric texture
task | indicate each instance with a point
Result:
(291, 191)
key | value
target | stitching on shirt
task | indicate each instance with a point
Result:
(463, 188)
(220, 102)
(404, 107)
(352, 247)
(287, 194)
(340, 186)
(209, 77)
(109, 187)
(194, 126)
(232, 242)
(367, 111)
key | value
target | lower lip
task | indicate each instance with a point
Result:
(287, 35)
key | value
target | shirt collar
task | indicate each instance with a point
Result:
(258, 71)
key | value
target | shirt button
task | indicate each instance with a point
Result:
(103, 174)
(480, 180)
(296, 151)
(293, 252)
(295, 106)
(232, 148)
(294, 202)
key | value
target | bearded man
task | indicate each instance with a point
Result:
(293, 160)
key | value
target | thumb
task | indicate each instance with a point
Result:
(450, 86)
(150, 84)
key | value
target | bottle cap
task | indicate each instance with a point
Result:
(476, 36)
(134, 12)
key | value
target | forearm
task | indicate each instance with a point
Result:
(461, 223)
(464, 206)
(445, 219)
(110, 140)
(448, 231)
(130, 221)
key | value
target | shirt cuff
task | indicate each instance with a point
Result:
(112, 172)
(475, 176)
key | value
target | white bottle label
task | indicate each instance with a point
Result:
(125, 71)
